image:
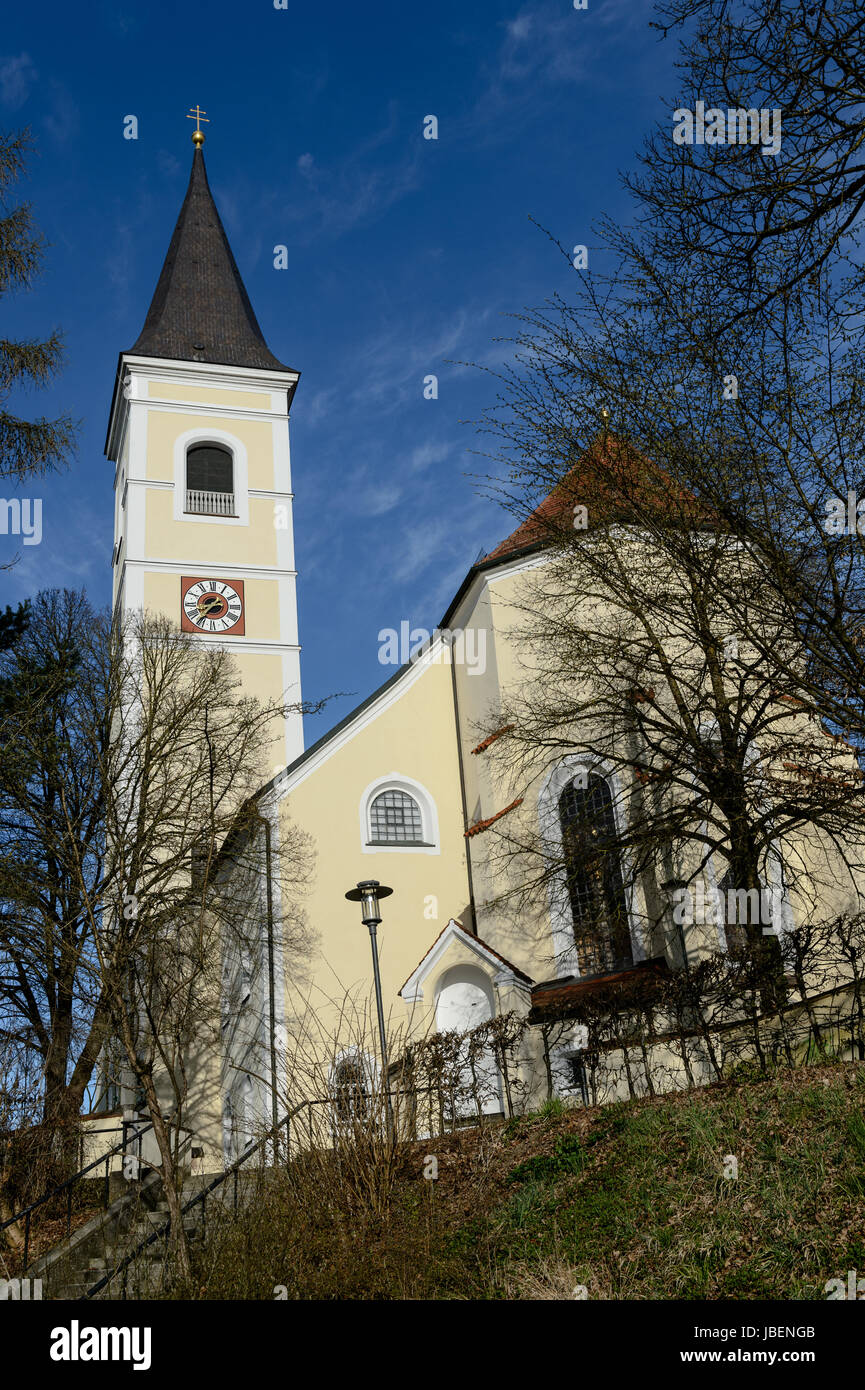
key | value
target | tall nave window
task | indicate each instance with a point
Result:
(594, 875)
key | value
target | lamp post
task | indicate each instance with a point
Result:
(368, 894)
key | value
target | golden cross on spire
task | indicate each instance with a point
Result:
(197, 114)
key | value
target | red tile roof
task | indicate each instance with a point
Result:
(614, 482)
(567, 998)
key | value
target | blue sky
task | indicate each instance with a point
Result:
(404, 252)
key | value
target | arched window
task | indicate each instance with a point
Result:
(395, 819)
(350, 1093)
(209, 480)
(594, 876)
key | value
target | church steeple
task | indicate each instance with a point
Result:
(199, 433)
(200, 311)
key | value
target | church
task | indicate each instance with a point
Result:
(403, 790)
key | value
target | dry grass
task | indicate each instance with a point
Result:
(629, 1201)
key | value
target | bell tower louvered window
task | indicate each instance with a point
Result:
(209, 481)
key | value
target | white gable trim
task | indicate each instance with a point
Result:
(412, 990)
(473, 595)
(431, 656)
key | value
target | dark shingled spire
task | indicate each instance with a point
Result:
(201, 311)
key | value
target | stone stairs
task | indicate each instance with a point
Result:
(74, 1266)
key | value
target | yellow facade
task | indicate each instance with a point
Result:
(162, 537)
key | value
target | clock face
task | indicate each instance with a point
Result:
(213, 606)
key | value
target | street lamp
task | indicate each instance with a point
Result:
(369, 893)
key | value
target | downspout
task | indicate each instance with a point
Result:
(468, 843)
(271, 973)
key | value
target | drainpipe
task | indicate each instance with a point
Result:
(468, 843)
(271, 973)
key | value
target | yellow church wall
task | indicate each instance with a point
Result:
(262, 610)
(413, 737)
(197, 542)
(520, 930)
(164, 427)
(228, 399)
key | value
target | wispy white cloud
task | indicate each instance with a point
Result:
(62, 119)
(400, 355)
(55, 564)
(17, 76)
(330, 197)
(168, 164)
(377, 499)
(425, 455)
(545, 47)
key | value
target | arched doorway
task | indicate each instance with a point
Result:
(464, 999)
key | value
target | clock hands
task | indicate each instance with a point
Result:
(207, 605)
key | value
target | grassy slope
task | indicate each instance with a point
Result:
(628, 1200)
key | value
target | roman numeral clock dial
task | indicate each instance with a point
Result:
(212, 606)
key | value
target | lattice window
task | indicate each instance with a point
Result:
(395, 819)
(350, 1091)
(594, 875)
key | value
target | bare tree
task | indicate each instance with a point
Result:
(185, 758)
(771, 185)
(54, 696)
(697, 626)
(131, 776)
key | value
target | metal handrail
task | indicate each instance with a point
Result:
(162, 1231)
(67, 1184)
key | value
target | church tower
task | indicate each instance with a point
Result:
(198, 435)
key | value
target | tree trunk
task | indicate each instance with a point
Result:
(179, 1242)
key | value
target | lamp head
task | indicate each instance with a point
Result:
(368, 894)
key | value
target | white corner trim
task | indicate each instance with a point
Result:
(486, 578)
